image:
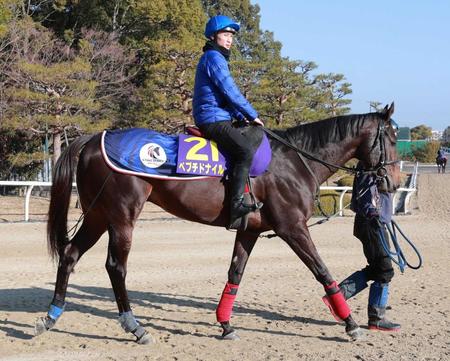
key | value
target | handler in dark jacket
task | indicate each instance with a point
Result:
(217, 101)
(373, 210)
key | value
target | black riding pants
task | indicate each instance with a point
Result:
(240, 144)
(379, 266)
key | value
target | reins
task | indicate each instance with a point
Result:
(302, 155)
(379, 169)
(306, 154)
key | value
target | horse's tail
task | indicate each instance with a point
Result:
(60, 196)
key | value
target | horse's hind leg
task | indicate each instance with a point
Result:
(120, 238)
(88, 234)
(299, 239)
(243, 246)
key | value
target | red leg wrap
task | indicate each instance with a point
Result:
(225, 307)
(337, 301)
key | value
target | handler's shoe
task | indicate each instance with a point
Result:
(378, 321)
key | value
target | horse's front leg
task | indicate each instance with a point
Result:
(243, 246)
(299, 239)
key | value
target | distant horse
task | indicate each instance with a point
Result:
(112, 202)
(441, 163)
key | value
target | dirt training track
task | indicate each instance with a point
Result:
(177, 271)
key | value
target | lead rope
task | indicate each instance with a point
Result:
(398, 257)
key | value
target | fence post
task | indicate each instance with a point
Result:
(341, 202)
(27, 202)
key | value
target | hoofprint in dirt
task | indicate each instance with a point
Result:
(177, 271)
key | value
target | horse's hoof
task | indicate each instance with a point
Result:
(356, 334)
(233, 336)
(42, 325)
(146, 339)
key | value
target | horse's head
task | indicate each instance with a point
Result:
(378, 150)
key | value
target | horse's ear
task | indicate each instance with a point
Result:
(388, 111)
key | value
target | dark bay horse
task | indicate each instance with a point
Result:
(112, 202)
(441, 163)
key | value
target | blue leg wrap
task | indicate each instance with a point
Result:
(55, 312)
(353, 284)
(379, 294)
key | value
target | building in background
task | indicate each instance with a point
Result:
(405, 145)
(437, 135)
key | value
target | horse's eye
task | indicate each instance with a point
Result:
(394, 125)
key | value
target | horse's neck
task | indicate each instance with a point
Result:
(336, 154)
(333, 152)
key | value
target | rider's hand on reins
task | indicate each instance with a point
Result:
(258, 121)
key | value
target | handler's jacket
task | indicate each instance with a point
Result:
(216, 95)
(367, 201)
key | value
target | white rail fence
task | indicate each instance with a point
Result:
(29, 188)
(343, 190)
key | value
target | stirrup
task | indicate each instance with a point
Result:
(240, 223)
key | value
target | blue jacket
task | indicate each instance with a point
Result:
(216, 95)
(367, 201)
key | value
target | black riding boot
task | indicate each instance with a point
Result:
(239, 206)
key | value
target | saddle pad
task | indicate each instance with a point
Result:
(148, 153)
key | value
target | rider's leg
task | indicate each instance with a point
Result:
(241, 149)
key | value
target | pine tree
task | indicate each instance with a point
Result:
(175, 48)
(53, 89)
(168, 37)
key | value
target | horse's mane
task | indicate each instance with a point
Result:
(315, 135)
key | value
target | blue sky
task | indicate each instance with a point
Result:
(388, 50)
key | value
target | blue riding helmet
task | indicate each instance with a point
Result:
(220, 22)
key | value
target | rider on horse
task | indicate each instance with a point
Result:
(217, 101)
(373, 208)
(440, 154)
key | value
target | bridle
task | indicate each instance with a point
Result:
(379, 169)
